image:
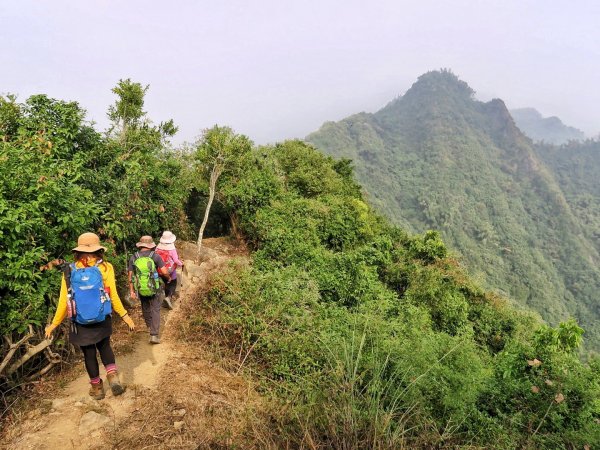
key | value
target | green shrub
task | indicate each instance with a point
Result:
(370, 337)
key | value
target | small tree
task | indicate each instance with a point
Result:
(218, 151)
(146, 192)
(128, 109)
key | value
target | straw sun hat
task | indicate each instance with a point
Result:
(88, 243)
(146, 241)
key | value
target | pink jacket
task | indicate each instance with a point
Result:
(173, 254)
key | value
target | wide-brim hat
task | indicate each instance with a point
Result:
(88, 243)
(146, 241)
(162, 246)
(168, 238)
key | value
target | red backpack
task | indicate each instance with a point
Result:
(167, 259)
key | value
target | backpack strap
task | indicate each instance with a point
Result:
(153, 262)
(151, 256)
(98, 263)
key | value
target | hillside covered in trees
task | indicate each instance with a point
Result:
(436, 158)
(360, 333)
(576, 168)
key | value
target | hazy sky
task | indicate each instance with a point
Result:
(276, 69)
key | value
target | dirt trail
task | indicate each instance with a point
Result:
(74, 420)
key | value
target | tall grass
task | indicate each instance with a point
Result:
(364, 399)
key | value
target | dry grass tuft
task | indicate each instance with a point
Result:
(218, 409)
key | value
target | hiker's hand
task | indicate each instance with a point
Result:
(129, 322)
(49, 329)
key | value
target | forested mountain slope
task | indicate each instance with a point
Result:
(436, 158)
(548, 129)
(576, 168)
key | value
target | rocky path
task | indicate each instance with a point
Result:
(75, 420)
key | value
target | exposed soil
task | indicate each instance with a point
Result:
(178, 394)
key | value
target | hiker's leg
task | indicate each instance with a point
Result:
(170, 288)
(106, 353)
(91, 366)
(108, 359)
(154, 304)
(91, 362)
(146, 311)
(174, 292)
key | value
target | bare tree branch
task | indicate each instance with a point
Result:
(30, 353)
(13, 348)
(41, 372)
(216, 172)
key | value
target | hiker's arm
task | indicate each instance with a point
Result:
(61, 308)
(164, 272)
(175, 257)
(114, 295)
(130, 281)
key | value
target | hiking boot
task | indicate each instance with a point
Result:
(167, 303)
(115, 384)
(97, 391)
(154, 339)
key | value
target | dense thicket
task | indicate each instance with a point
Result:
(435, 158)
(59, 177)
(373, 338)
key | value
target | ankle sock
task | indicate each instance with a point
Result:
(96, 380)
(111, 368)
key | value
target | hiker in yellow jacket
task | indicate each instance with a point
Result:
(93, 337)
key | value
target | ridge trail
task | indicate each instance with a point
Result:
(76, 421)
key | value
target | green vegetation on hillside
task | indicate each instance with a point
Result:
(59, 177)
(368, 337)
(364, 335)
(576, 167)
(436, 158)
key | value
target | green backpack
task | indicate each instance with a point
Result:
(146, 277)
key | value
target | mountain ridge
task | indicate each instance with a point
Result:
(547, 129)
(438, 158)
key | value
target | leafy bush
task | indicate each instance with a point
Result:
(59, 178)
(371, 337)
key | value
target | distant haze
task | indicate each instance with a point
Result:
(278, 69)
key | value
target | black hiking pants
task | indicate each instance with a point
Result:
(91, 361)
(170, 288)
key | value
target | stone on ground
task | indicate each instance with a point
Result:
(92, 421)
